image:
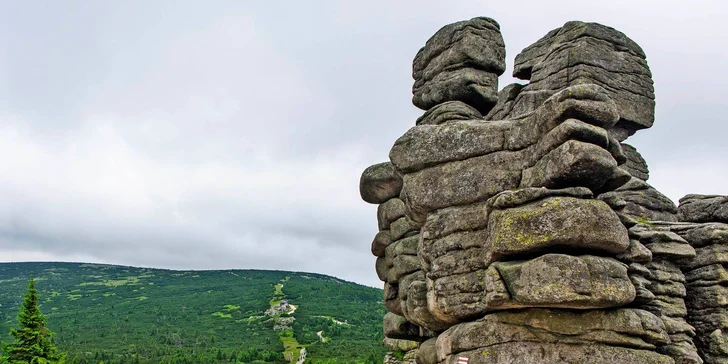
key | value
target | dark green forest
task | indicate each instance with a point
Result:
(115, 314)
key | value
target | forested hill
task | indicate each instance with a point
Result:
(119, 314)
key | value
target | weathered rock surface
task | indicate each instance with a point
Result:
(704, 208)
(552, 336)
(381, 242)
(706, 279)
(506, 98)
(555, 222)
(549, 353)
(662, 243)
(401, 256)
(401, 345)
(379, 183)
(621, 327)
(460, 182)
(389, 212)
(565, 281)
(447, 112)
(522, 196)
(461, 62)
(666, 282)
(427, 353)
(645, 202)
(469, 161)
(574, 164)
(427, 145)
(397, 327)
(408, 358)
(636, 253)
(635, 164)
(516, 226)
(579, 53)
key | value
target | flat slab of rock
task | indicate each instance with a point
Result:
(428, 145)
(703, 208)
(415, 307)
(553, 336)
(702, 234)
(460, 182)
(663, 243)
(621, 327)
(550, 353)
(565, 281)
(449, 252)
(453, 219)
(710, 275)
(708, 255)
(563, 222)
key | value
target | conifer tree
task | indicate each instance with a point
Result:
(32, 340)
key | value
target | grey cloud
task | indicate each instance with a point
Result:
(228, 134)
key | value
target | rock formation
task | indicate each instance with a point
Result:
(516, 226)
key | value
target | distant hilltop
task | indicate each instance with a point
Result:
(122, 314)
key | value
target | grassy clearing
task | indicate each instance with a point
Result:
(222, 315)
(133, 280)
(291, 347)
(231, 307)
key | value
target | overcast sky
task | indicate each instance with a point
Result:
(232, 134)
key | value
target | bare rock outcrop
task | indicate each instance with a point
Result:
(516, 226)
(706, 281)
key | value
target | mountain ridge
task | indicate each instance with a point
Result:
(137, 314)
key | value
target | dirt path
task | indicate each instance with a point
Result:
(293, 352)
(335, 321)
(339, 322)
(301, 356)
(323, 340)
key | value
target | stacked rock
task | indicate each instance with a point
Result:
(589, 53)
(665, 281)
(514, 226)
(643, 200)
(395, 245)
(706, 229)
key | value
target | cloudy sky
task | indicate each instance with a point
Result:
(232, 134)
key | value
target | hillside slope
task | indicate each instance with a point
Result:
(119, 314)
